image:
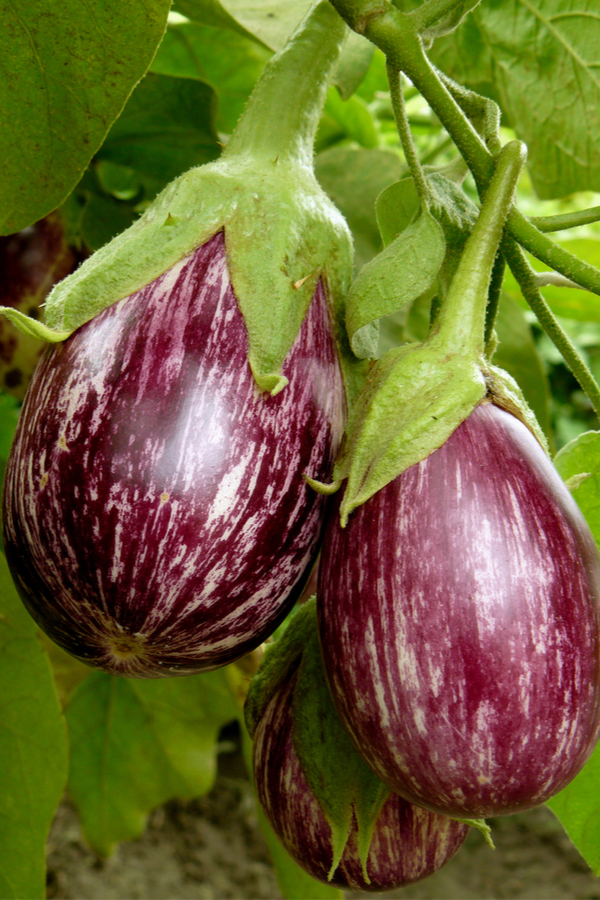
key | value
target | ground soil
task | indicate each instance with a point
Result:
(212, 849)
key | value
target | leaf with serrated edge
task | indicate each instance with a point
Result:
(64, 78)
(542, 60)
(136, 744)
(33, 749)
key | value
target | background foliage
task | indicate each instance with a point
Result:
(103, 104)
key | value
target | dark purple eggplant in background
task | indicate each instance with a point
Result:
(31, 262)
(156, 521)
(408, 843)
(459, 620)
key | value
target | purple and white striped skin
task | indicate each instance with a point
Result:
(155, 517)
(459, 621)
(408, 843)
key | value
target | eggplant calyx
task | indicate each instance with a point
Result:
(33, 327)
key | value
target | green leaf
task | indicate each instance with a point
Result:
(346, 120)
(33, 749)
(270, 21)
(9, 416)
(228, 61)
(166, 128)
(540, 62)
(64, 77)
(578, 457)
(396, 207)
(399, 274)
(518, 354)
(353, 179)
(578, 808)
(353, 65)
(570, 303)
(136, 744)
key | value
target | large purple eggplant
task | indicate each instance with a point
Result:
(156, 520)
(459, 620)
(408, 843)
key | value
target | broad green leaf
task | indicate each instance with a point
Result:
(166, 128)
(353, 179)
(578, 808)
(270, 21)
(399, 274)
(353, 65)
(517, 353)
(540, 62)
(136, 744)
(65, 74)
(33, 749)
(570, 303)
(346, 120)
(395, 208)
(228, 61)
(9, 415)
(582, 456)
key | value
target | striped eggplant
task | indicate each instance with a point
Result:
(156, 519)
(408, 843)
(459, 616)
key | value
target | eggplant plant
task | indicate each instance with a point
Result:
(223, 361)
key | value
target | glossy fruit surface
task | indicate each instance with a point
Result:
(156, 520)
(408, 843)
(459, 619)
(32, 262)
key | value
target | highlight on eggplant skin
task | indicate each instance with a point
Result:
(408, 843)
(155, 517)
(459, 616)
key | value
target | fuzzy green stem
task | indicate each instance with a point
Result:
(406, 138)
(495, 289)
(282, 115)
(461, 320)
(396, 35)
(567, 220)
(526, 278)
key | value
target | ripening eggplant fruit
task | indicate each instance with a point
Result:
(156, 521)
(408, 843)
(155, 515)
(459, 618)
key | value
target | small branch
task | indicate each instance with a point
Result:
(543, 279)
(527, 280)
(567, 220)
(406, 138)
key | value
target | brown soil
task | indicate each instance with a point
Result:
(212, 849)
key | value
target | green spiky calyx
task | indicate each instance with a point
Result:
(281, 231)
(341, 782)
(417, 395)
